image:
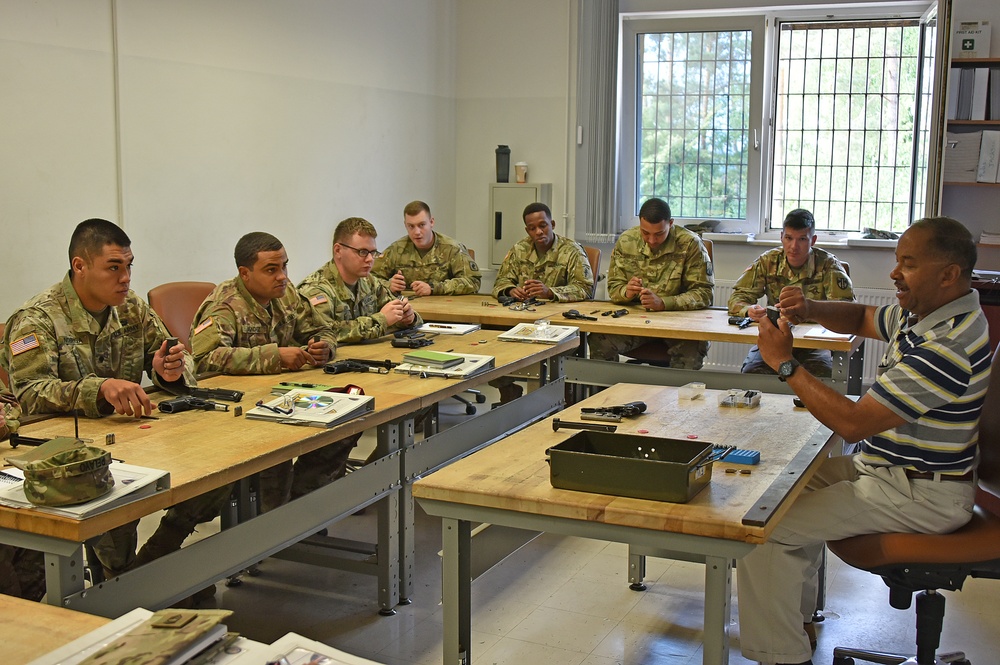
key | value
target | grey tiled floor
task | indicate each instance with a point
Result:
(563, 600)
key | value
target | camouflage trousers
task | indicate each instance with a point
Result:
(286, 481)
(22, 572)
(683, 353)
(116, 549)
(818, 362)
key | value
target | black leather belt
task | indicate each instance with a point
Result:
(929, 475)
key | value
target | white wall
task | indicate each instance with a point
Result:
(57, 136)
(239, 115)
(233, 116)
(512, 87)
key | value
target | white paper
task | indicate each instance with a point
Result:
(449, 328)
(472, 365)
(131, 483)
(538, 333)
(819, 332)
(314, 408)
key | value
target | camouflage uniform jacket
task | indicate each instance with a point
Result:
(355, 314)
(446, 266)
(821, 277)
(233, 334)
(564, 269)
(52, 343)
(11, 413)
(678, 271)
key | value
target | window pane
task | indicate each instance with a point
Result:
(845, 123)
(699, 105)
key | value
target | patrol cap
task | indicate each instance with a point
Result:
(64, 472)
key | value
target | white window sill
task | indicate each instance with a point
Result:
(824, 240)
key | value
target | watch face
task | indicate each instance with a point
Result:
(786, 368)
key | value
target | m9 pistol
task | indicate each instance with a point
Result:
(188, 403)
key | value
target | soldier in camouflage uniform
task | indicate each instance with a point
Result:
(544, 265)
(796, 263)
(427, 262)
(257, 323)
(346, 294)
(22, 571)
(663, 267)
(84, 344)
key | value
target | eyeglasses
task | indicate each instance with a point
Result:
(363, 253)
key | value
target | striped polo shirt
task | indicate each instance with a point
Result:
(934, 375)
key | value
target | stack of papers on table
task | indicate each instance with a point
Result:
(437, 359)
(294, 648)
(815, 331)
(538, 333)
(471, 365)
(167, 637)
(449, 328)
(131, 484)
(313, 408)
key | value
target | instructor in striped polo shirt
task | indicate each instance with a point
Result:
(918, 425)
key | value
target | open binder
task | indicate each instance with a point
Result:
(538, 333)
(313, 408)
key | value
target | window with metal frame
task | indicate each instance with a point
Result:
(846, 122)
(742, 118)
(695, 121)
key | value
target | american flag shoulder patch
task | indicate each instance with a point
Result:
(317, 300)
(201, 326)
(26, 343)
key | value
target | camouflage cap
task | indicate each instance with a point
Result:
(64, 472)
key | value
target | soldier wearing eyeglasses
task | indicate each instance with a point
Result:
(344, 292)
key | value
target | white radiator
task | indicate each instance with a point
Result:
(723, 356)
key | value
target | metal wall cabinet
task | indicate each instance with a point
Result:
(507, 202)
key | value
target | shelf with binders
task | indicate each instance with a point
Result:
(974, 92)
(972, 143)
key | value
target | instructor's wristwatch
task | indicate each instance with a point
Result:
(787, 368)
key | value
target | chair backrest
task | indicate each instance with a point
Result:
(708, 248)
(988, 495)
(594, 259)
(176, 304)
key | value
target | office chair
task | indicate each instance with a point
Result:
(927, 563)
(653, 352)
(176, 304)
(594, 259)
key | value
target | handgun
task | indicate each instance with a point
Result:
(411, 342)
(341, 366)
(217, 393)
(626, 410)
(188, 403)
